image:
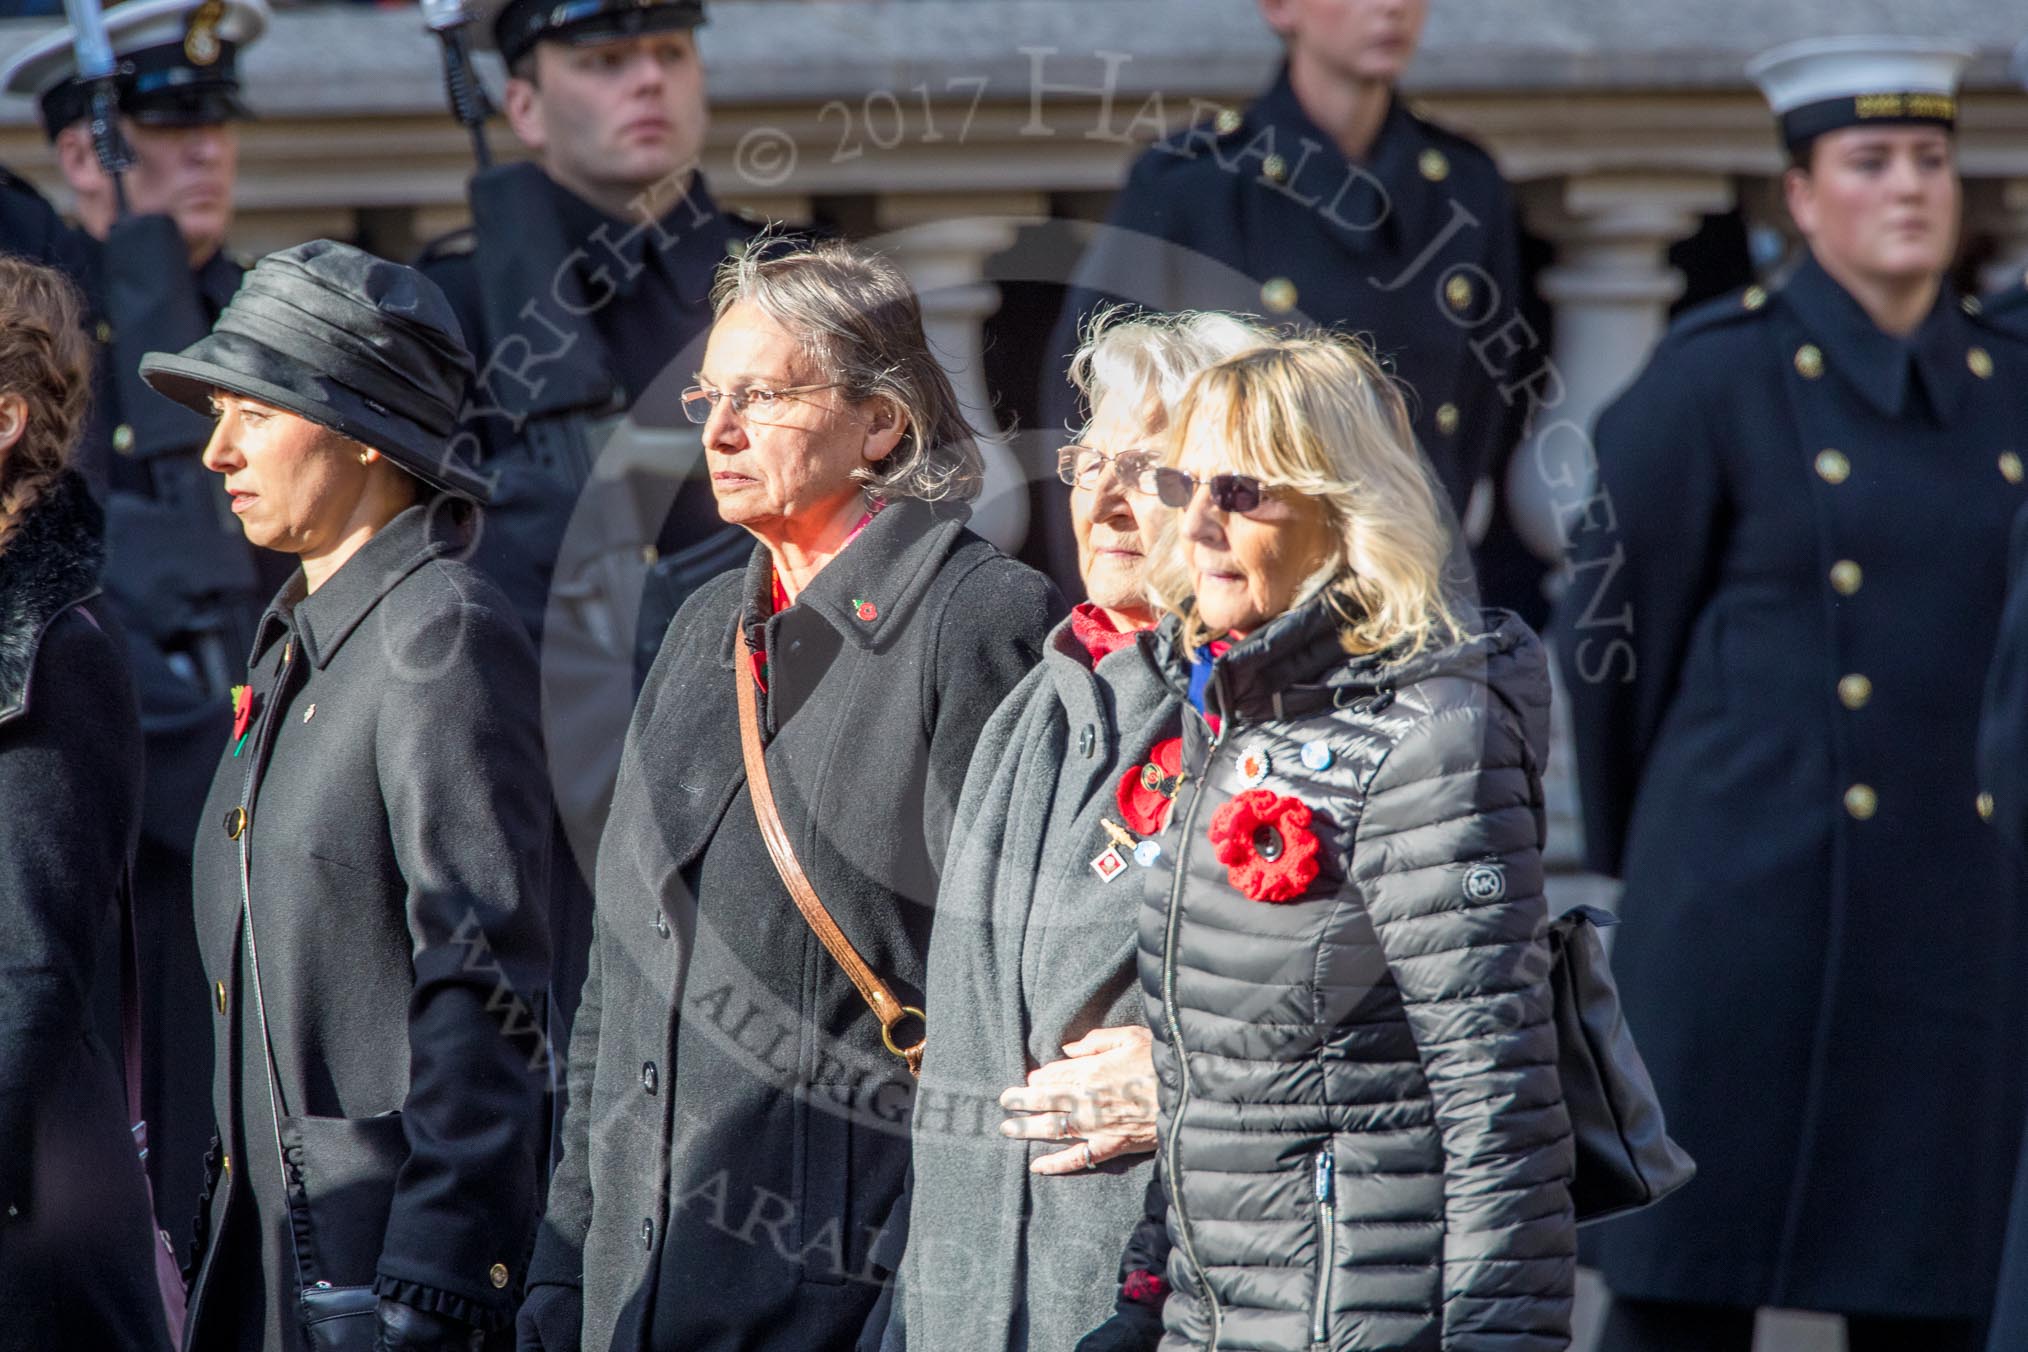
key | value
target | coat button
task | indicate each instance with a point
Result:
(1854, 691)
(1274, 169)
(104, 332)
(1447, 418)
(123, 439)
(1434, 165)
(498, 1275)
(1755, 297)
(1833, 467)
(1985, 806)
(2010, 467)
(1278, 294)
(1846, 577)
(1981, 362)
(647, 1234)
(648, 1077)
(1809, 361)
(1458, 294)
(1087, 741)
(235, 823)
(218, 995)
(1228, 121)
(661, 923)
(1861, 802)
(1972, 305)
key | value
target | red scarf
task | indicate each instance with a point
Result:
(1095, 630)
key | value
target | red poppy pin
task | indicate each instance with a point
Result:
(242, 716)
(1147, 791)
(1265, 842)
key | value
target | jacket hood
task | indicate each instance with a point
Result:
(1295, 665)
(50, 565)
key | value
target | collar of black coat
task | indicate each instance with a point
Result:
(1295, 665)
(1882, 369)
(685, 242)
(325, 618)
(50, 565)
(1383, 200)
(887, 567)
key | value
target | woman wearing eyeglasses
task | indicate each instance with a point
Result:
(738, 1129)
(1342, 942)
(1035, 1129)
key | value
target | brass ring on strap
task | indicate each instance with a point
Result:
(887, 1031)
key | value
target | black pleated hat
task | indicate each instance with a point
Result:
(363, 346)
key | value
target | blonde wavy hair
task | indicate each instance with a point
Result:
(1316, 412)
(1151, 357)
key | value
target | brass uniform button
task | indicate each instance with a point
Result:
(2010, 467)
(1458, 291)
(1985, 807)
(1981, 362)
(1278, 294)
(1833, 467)
(1972, 305)
(235, 823)
(1447, 418)
(1809, 361)
(650, 555)
(1755, 297)
(1274, 168)
(1854, 691)
(498, 1274)
(1846, 577)
(123, 439)
(1434, 165)
(218, 995)
(1228, 121)
(104, 332)
(1861, 802)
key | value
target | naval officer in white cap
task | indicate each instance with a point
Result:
(1784, 597)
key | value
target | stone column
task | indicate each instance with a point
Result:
(943, 242)
(1611, 286)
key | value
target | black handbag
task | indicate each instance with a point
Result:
(1625, 1159)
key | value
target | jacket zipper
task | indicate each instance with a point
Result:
(1171, 1161)
(1327, 1248)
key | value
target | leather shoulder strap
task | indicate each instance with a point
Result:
(872, 989)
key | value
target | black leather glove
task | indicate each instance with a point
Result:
(404, 1328)
(1134, 1327)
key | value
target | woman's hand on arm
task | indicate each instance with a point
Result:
(1100, 1099)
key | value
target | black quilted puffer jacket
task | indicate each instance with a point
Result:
(1362, 1125)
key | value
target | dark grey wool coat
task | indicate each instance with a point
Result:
(737, 1135)
(398, 826)
(1033, 949)
(1363, 1130)
(76, 1262)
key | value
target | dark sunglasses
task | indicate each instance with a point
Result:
(1240, 493)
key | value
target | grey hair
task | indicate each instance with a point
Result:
(1151, 357)
(857, 318)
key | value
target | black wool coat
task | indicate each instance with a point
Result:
(391, 800)
(737, 1134)
(76, 1262)
(1786, 587)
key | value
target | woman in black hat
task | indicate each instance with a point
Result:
(369, 873)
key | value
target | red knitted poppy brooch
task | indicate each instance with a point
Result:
(1147, 791)
(1265, 842)
(242, 716)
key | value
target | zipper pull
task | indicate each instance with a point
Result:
(1324, 1174)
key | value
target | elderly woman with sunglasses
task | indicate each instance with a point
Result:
(738, 1130)
(1342, 940)
(1039, 1031)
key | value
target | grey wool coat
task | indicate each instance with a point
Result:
(76, 1266)
(1032, 949)
(737, 1136)
(391, 803)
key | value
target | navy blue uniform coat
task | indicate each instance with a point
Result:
(1787, 586)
